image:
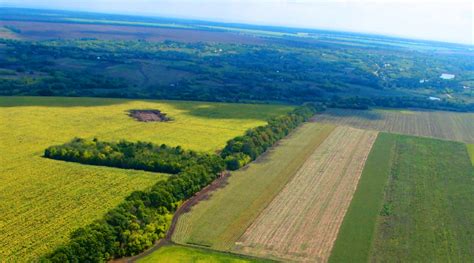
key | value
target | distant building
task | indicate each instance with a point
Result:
(447, 76)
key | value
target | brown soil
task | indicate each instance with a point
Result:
(148, 115)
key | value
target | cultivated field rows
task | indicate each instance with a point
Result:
(443, 125)
(302, 222)
(218, 222)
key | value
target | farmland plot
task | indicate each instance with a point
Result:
(427, 214)
(444, 125)
(303, 220)
(219, 221)
(43, 200)
(413, 204)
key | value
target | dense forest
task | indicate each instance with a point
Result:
(145, 216)
(284, 72)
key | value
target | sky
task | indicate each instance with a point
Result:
(442, 20)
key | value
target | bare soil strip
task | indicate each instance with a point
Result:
(303, 220)
(148, 115)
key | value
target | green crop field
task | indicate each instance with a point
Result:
(438, 124)
(180, 254)
(221, 220)
(42, 200)
(426, 214)
(470, 149)
(356, 233)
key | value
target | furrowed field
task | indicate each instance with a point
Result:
(425, 213)
(218, 222)
(437, 124)
(42, 200)
(303, 220)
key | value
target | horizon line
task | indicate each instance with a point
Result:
(236, 23)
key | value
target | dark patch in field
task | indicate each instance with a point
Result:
(148, 115)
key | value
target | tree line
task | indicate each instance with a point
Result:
(244, 149)
(129, 155)
(145, 216)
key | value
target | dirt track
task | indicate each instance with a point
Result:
(184, 208)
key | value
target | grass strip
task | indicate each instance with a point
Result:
(470, 150)
(176, 253)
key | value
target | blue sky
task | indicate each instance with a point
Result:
(448, 20)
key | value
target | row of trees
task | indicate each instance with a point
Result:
(136, 223)
(243, 149)
(145, 216)
(129, 155)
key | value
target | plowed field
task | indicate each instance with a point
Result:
(302, 222)
(437, 124)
